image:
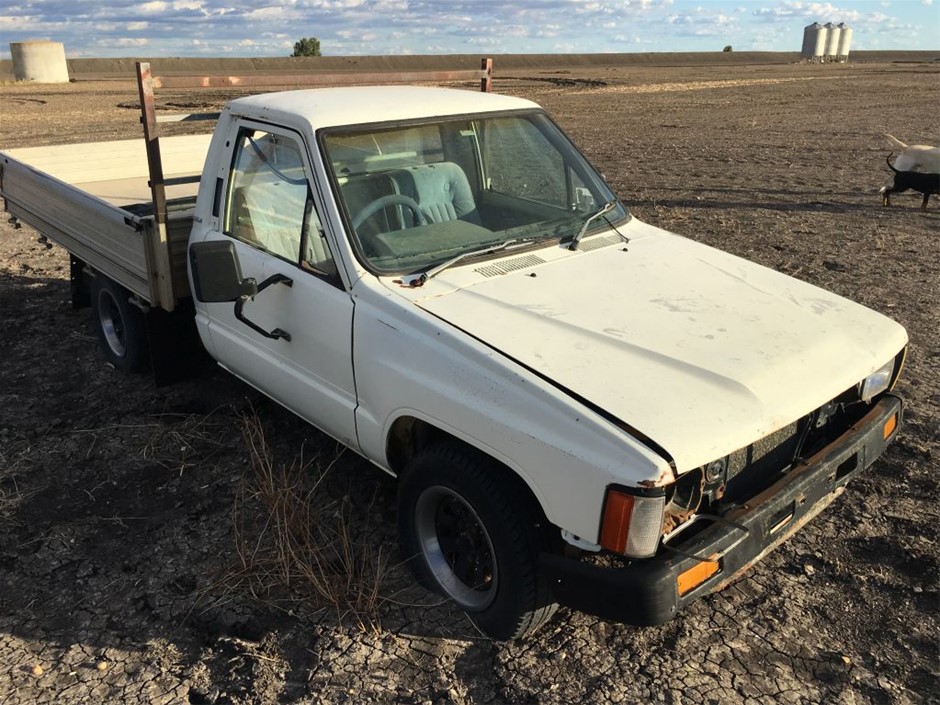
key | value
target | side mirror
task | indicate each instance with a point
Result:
(217, 276)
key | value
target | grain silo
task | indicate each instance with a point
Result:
(832, 41)
(819, 34)
(811, 40)
(845, 41)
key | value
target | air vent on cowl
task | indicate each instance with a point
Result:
(596, 242)
(509, 265)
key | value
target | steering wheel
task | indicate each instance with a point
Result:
(393, 199)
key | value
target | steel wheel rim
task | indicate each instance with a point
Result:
(112, 324)
(456, 548)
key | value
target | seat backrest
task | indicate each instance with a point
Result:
(441, 189)
(359, 192)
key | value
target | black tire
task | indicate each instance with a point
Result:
(119, 325)
(471, 533)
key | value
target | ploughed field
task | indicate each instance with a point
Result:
(138, 561)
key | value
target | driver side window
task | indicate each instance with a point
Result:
(270, 206)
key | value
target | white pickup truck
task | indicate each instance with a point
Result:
(580, 408)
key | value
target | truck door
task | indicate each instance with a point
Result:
(271, 213)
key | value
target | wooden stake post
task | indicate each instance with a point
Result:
(160, 251)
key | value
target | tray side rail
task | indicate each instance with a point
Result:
(107, 238)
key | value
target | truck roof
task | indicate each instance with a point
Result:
(334, 107)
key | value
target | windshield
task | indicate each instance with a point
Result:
(421, 194)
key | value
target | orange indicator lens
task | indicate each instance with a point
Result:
(696, 575)
(890, 425)
(618, 510)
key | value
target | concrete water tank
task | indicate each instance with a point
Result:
(845, 41)
(39, 61)
(832, 40)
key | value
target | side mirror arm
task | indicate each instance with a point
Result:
(244, 298)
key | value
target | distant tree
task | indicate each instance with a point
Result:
(727, 49)
(308, 46)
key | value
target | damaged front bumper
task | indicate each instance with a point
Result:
(652, 591)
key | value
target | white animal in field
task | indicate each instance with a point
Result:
(916, 157)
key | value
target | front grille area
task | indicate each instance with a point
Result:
(772, 449)
(721, 486)
(754, 468)
(757, 466)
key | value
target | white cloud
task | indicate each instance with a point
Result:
(272, 14)
(356, 35)
(703, 23)
(790, 9)
(483, 41)
(514, 31)
(122, 42)
(153, 7)
(24, 23)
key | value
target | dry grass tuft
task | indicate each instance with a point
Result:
(294, 542)
(182, 441)
(9, 497)
(14, 456)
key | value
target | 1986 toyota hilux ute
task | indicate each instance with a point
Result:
(580, 408)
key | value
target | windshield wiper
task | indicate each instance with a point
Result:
(604, 210)
(414, 280)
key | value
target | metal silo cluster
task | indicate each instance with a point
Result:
(826, 43)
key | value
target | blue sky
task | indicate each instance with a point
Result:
(154, 28)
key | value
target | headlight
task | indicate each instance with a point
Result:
(877, 382)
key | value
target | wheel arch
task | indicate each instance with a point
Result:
(409, 434)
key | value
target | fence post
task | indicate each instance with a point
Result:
(486, 83)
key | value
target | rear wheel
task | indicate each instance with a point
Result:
(471, 533)
(119, 324)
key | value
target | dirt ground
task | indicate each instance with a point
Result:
(128, 576)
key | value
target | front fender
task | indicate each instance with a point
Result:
(410, 363)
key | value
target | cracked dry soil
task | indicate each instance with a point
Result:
(117, 520)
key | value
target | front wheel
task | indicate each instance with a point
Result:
(471, 533)
(120, 325)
